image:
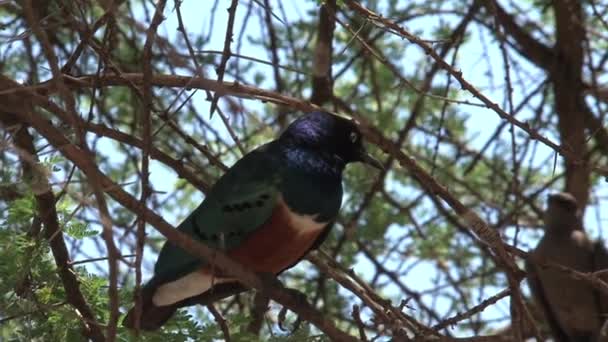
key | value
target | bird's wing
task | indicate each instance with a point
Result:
(241, 201)
(536, 287)
(600, 262)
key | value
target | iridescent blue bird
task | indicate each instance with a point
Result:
(267, 211)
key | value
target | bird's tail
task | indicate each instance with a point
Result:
(152, 317)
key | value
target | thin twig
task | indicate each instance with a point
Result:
(226, 54)
(145, 153)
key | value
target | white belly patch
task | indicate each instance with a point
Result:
(304, 223)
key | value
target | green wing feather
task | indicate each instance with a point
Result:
(241, 201)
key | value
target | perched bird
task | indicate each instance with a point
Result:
(573, 309)
(266, 212)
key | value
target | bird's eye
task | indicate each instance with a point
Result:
(354, 136)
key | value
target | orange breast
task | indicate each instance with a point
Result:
(278, 243)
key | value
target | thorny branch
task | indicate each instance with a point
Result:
(146, 123)
(79, 158)
(45, 202)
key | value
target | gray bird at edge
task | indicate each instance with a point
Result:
(574, 310)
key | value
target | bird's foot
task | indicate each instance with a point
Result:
(269, 280)
(301, 299)
(281, 321)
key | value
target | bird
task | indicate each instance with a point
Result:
(574, 310)
(266, 212)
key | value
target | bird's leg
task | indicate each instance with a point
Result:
(222, 247)
(269, 280)
(258, 312)
(301, 299)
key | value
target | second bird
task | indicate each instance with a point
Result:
(573, 308)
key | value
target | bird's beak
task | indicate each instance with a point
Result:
(366, 158)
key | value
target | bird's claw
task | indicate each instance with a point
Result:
(301, 299)
(299, 296)
(269, 280)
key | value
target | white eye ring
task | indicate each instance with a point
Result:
(354, 137)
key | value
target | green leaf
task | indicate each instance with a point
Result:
(21, 210)
(79, 230)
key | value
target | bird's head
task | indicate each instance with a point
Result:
(338, 137)
(562, 212)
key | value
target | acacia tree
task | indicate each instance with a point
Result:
(117, 117)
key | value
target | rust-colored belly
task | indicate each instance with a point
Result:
(278, 243)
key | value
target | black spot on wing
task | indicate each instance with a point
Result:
(242, 206)
(199, 232)
(234, 234)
